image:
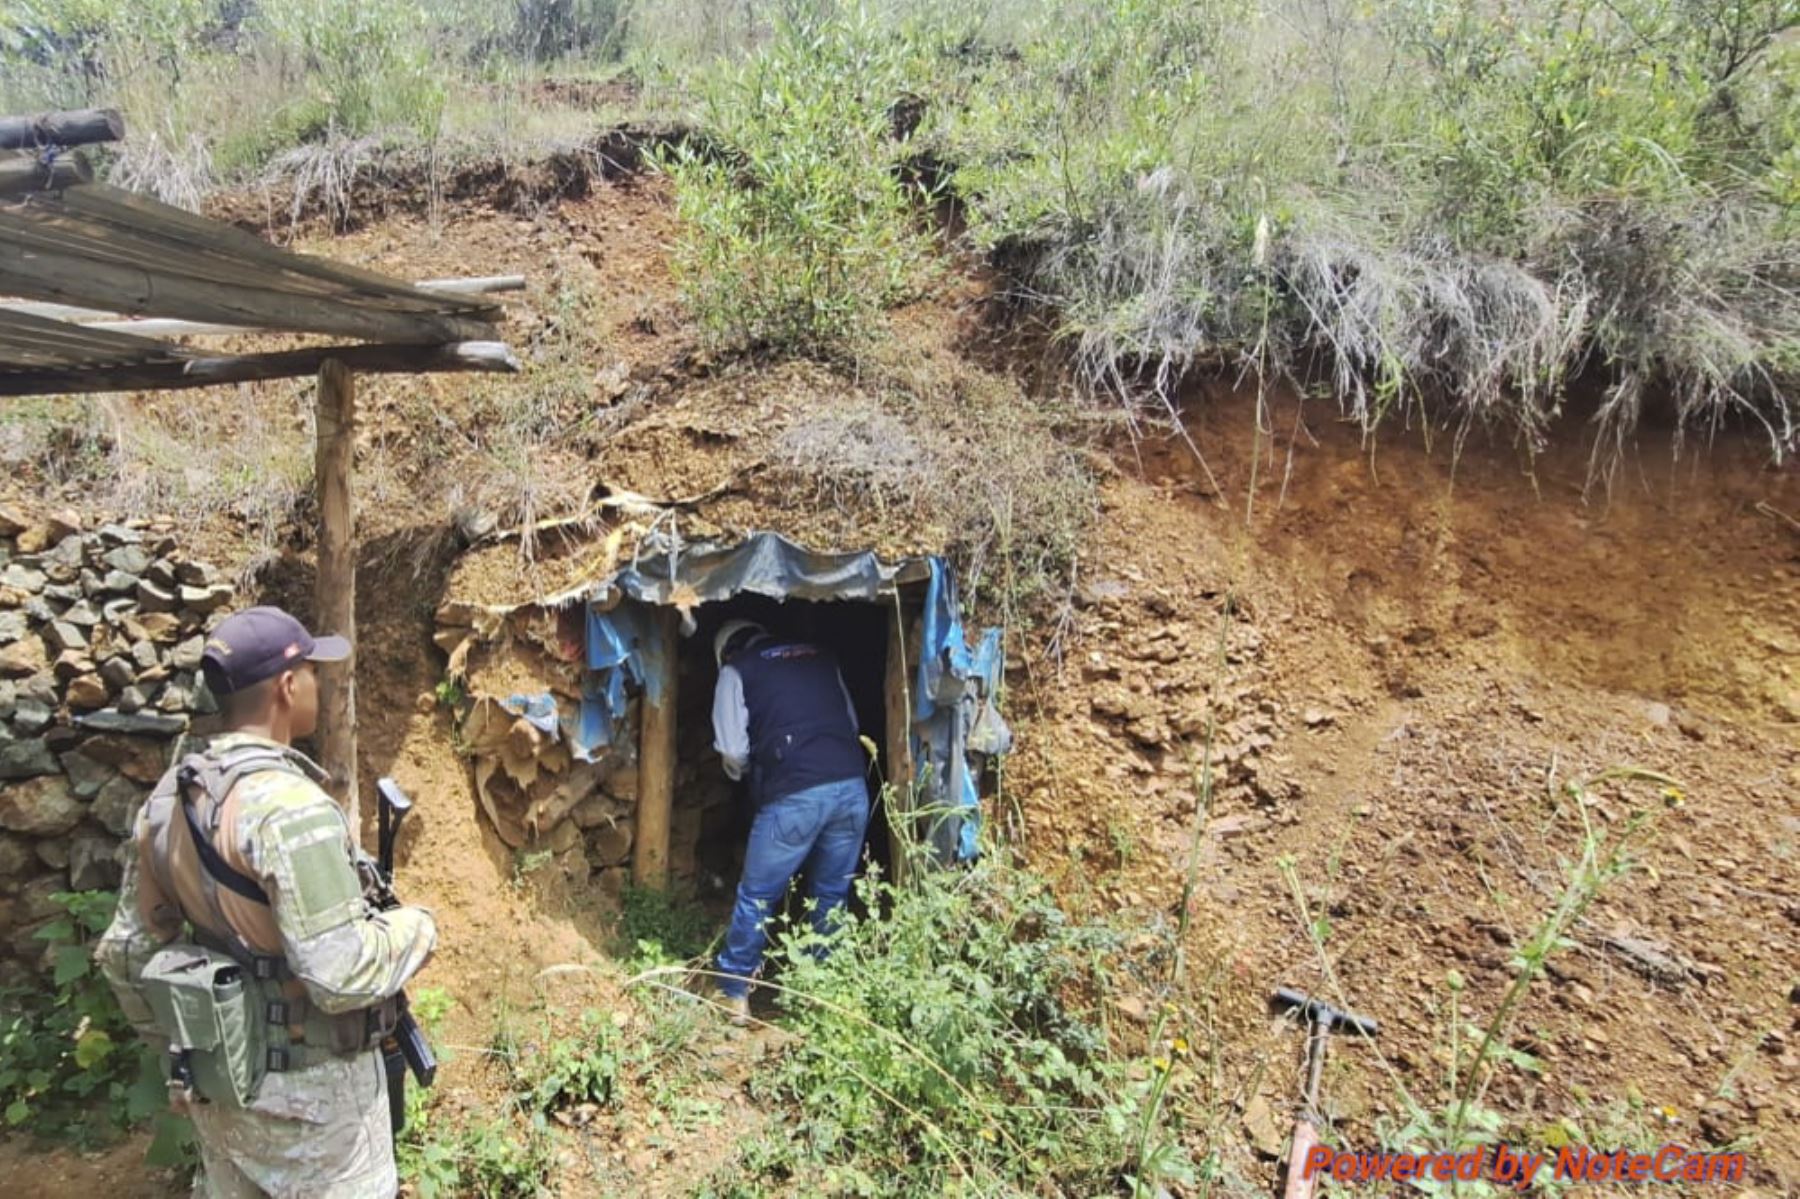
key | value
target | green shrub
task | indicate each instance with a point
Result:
(70, 1065)
(795, 229)
(954, 1046)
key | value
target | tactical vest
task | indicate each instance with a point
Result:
(232, 1014)
(800, 734)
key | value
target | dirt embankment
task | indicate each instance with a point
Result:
(1420, 652)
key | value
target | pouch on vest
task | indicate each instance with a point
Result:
(212, 1013)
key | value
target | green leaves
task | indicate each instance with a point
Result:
(796, 231)
(66, 1044)
(71, 963)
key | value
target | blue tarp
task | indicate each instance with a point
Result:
(954, 714)
(953, 706)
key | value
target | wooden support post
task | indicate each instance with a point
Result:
(656, 753)
(335, 597)
(897, 697)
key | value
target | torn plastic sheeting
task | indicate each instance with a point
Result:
(664, 573)
(954, 711)
(763, 564)
(613, 660)
(954, 714)
(539, 709)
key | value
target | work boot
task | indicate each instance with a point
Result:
(736, 1008)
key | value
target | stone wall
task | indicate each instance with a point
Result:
(100, 638)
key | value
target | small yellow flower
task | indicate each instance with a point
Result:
(1673, 796)
(1669, 1114)
(1179, 1045)
(1160, 1064)
(990, 1136)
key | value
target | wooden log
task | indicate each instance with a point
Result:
(77, 127)
(656, 754)
(897, 706)
(473, 285)
(335, 590)
(464, 356)
(24, 176)
(112, 322)
(42, 266)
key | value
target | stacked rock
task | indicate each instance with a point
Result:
(101, 633)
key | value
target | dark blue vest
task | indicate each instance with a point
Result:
(800, 734)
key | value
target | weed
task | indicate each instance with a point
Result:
(573, 1071)
(496, 1156)
(943, 1049)
(1464, 1119)
(657, 926)
(70, 1065)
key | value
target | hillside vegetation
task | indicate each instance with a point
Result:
(1444, 205)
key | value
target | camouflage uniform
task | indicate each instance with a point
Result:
(320, 1128)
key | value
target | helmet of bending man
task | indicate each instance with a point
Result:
(734, 636)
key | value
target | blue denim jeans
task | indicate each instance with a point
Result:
(819, 830)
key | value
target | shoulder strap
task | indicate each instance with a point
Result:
(216, 776)
(222, 871)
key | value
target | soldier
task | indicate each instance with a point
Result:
(241, 860)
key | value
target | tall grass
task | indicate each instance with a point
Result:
(1436, 206)
(1440, 210)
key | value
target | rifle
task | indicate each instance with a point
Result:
(405, 1048)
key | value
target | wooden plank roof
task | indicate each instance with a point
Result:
(67, 241)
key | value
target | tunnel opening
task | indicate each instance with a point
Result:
(588, 714)
(710, 814)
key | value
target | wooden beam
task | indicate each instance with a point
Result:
(897, 705)
(335, 585)
(124, 215)
(24, 176)
(111, 322)
(462, 356)
(77, 127)
(656, 753)
(40, 264)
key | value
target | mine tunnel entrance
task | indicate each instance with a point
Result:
(710, 815)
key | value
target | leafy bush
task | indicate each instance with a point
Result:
(795, 227)
(70, 1064)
